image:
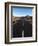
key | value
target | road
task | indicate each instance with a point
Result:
(22, 26)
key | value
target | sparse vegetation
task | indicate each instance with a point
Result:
(18, 26)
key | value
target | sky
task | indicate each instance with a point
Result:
(16, 11)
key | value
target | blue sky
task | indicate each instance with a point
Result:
(21, 11)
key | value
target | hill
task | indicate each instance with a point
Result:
(26, 18)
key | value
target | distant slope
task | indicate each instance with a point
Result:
(26, 18)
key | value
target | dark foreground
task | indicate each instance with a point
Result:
(22, 25)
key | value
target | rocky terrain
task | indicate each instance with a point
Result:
(26, 18)
(22, 23)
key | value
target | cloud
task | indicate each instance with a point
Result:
(20, 15)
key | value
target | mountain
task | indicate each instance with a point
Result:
(26, 18)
